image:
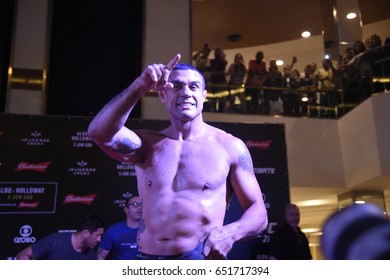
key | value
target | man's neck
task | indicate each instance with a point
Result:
(187, 130)
(132, 223)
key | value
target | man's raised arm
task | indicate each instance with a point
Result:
(107, 129)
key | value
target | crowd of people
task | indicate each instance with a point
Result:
(326, 92)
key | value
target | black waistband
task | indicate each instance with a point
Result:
(143, 256)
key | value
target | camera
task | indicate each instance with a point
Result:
(357, 232)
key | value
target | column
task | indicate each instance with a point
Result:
(339, 32)
(28, 58)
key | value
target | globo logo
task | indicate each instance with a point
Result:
(25, 232)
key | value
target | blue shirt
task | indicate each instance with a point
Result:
(121, 241)
(58, 246)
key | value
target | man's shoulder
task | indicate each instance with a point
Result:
(228, 141)
(150, 132)
(150, 135)
(282, 230)
(59, 239)
(58, 235)
(116, 226)
(220, 134)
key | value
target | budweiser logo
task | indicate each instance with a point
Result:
(259, 144)
(38, 167)
(33, 204)
(86, 199)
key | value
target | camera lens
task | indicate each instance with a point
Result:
(360, 231)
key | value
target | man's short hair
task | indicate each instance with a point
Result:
(290, 206)
(91, 223)
(128, 199)
(186, 66)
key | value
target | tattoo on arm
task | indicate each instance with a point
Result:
(125, 146)
(245, 162)
(141, 227)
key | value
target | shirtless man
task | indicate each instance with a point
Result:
(182, 171)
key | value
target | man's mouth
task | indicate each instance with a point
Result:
(185, 104)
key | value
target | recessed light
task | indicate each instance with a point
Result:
(360, 202)
(306, 34)
(351, 16)
(234, 37)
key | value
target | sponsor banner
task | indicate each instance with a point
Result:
(73, 198)
(27, 197)
(36, 167)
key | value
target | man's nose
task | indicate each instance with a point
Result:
(186, 91)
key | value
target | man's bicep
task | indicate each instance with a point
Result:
(244, 182)
(246, 187)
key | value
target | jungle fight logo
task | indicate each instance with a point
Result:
(82, 169)
(121, 202)
(35, 139)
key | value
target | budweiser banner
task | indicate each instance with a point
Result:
(52, 174)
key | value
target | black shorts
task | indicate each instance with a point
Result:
(195, 254)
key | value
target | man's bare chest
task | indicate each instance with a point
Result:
(188, 165)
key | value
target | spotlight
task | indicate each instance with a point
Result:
(234, 37)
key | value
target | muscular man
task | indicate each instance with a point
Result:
(182, 171)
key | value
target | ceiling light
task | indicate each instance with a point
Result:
(314, 202)
(279, 62)
(360, 202)
(234, 37)
(306, 34)
(351, 16)
(312, 230)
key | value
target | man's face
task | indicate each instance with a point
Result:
(292, 216)
(185, 100)
(259, 56)
(313, 67)
(92, 239)
(133, 209)
(326, 64)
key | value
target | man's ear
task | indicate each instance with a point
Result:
(85, 233)
(205, 94)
